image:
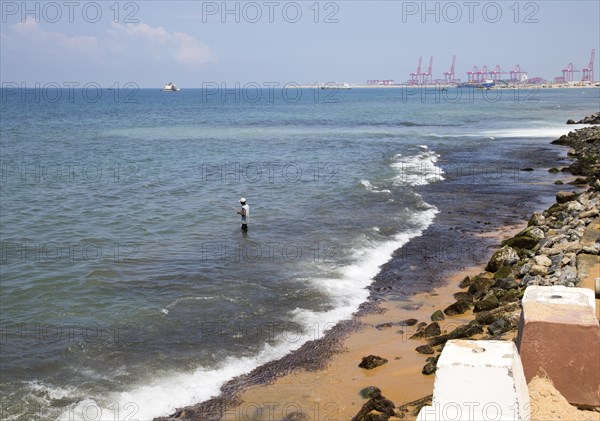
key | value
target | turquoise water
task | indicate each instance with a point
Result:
(127, 284)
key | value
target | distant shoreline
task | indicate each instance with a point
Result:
(341, 87)
(447, 86)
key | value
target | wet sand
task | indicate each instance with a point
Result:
(333, 393)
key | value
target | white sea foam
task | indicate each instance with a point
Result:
(545, 132)
(542, 132)
(161, 396)
(418, 169)
(370, 187)
(349, 289)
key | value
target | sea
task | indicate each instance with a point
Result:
(128, 288)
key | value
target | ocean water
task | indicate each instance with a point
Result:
(127, 286)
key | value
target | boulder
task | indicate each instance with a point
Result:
(537, 219)
(437, 316)
(569, 274)
(489, 302)
(574, 206)
(371, 362)
(458, 307)
(579, 181)
(521, 242)
(590, 250)
(525, 269)
(489, 317)
(429, 368)
(532, 280)
(432, 330)
(510, 295)
(464, 331)
(591, 119)
(369, 391)
(480, 286)
(503, 272)
(462, 295)
(565, 196)
(589, 214)
(542, 260)
(538, 270)
(507, 283)
(465, 283)
(383, 407)
(425, 349)
(503, 324)
(506, 256)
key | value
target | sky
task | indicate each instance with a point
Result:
(197, 43)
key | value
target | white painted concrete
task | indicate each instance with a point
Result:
(560, 295)
(478, 380)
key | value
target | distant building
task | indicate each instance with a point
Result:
(384, 82)
(536, 80)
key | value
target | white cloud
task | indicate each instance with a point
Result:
(31, 31)
(120, 45)
(163, 45)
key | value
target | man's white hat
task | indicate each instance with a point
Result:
(242, 200)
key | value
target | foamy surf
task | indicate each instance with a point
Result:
(161, 397)
(370, 187)
(418, 169)
(542, 132)
(546, 132)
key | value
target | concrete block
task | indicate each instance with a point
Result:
(478, 380)
(559, 335)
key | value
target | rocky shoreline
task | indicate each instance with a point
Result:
(550, 251)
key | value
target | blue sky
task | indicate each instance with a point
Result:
(195, 42)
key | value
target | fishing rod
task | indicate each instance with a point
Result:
(216, 202)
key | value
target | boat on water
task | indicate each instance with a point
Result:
(487, 84)
(170, 87)
(336, 86)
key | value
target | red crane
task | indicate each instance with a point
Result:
(495, 74)
(471, 74)
(588, 72)
(482, 74)
(449, 75)
(516, 74)
(414, 76)
(568, 73)
(426, 77)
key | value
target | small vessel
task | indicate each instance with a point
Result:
(487, 84)
(170, 87)
(336, 86)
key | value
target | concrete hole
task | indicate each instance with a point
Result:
(478, 350)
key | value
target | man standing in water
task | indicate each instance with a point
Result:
(245, 212)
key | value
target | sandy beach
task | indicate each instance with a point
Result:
(335, 391)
